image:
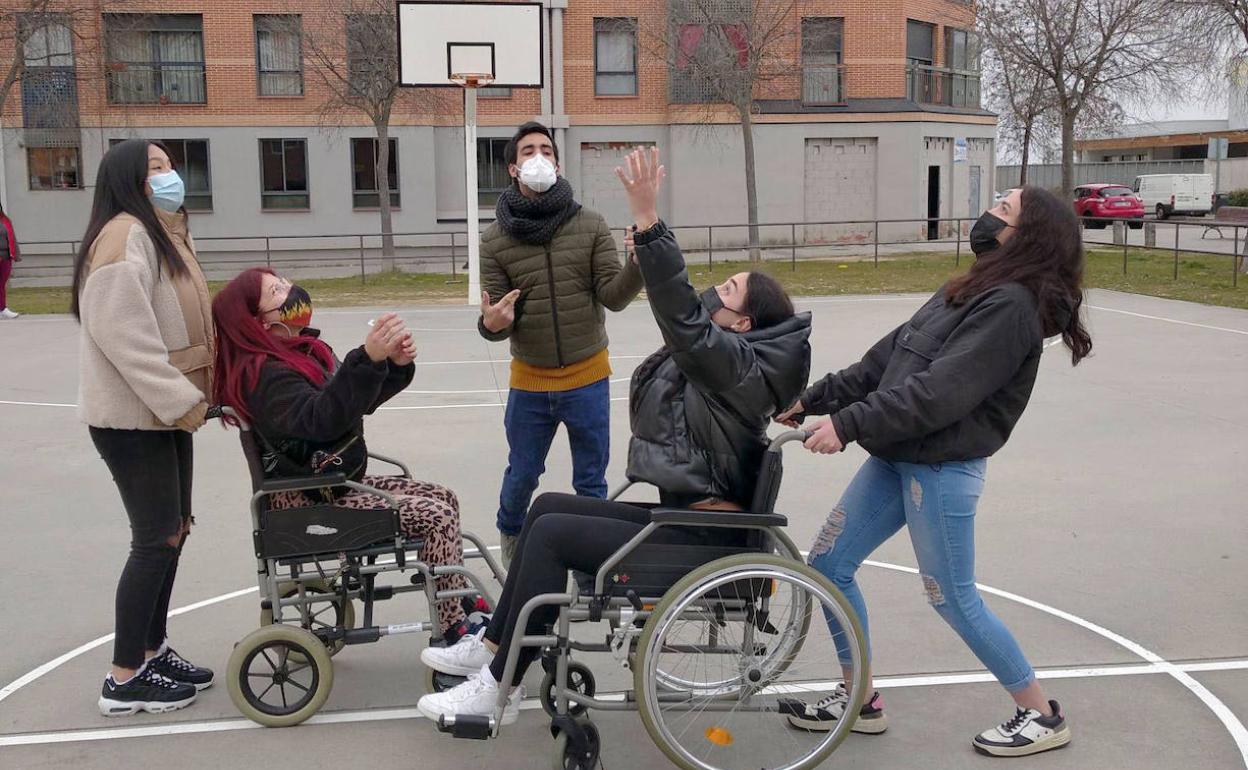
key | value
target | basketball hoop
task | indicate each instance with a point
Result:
(472, 79)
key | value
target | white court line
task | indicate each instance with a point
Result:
(1232, 723)
(36, 403)
(1169, 320)
(532, 704)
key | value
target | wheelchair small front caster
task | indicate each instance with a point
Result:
(577, 746)
(580, 681)
(279, 675)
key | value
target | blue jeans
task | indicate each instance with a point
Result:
(531, 421)
(937, 503)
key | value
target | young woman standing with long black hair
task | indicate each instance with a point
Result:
(145, 370)
(931, 402)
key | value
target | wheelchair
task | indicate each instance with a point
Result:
(313, 564)
(717, 638)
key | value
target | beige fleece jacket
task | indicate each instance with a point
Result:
(145, 357)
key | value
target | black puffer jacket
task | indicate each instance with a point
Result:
(700, 406)
(297, 417)
(948, 385)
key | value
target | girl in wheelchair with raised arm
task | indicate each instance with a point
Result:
(699, 409)
(307, 408)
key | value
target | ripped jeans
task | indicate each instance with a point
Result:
(937, 503)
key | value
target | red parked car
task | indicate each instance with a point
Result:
(1097, 204)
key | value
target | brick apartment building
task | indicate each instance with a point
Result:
(880, 119)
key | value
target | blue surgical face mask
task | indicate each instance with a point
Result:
(168, 192)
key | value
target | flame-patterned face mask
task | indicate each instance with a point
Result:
(296, 312)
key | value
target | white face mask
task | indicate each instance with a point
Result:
(538, 174)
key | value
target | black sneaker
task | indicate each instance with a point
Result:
(169, 663)
(1029, 732)
(145, 691)
(822, 716)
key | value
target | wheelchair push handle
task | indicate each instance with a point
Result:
(787, 437)
(218, 411)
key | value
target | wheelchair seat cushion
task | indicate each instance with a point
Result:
(323, 529)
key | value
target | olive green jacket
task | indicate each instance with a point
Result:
(564, 287)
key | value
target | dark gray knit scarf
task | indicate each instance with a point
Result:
(536, 220)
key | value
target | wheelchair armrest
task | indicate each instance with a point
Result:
(403, 470)
(300, 483)
(698, 518)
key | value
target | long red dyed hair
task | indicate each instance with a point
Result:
(244, 345)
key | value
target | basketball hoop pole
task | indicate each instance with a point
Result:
(470, 196)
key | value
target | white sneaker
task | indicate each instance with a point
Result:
(476, 697)
(1029, 732)
(464, 658)
(6, 313)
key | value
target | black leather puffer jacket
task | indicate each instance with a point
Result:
(700, 406)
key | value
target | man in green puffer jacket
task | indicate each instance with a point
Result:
(549, 267)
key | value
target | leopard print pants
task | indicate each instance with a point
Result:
(426, 510)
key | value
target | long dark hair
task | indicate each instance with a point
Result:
(766, 301)
(1045, 254)
(120, 188)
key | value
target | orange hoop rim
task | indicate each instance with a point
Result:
(472, 79)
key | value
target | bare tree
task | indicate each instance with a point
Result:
(725, 52)
(37, 37)
(1096, 51)
(351, 50)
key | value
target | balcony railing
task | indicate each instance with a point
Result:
(823, 84)
(181, 83)
(935, 85)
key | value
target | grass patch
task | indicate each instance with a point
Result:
(1202, 278)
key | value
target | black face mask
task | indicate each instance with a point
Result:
(296, 311)
(984, 233)
(711, 301)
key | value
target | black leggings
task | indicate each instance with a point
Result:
(152, 470)
(557, 537)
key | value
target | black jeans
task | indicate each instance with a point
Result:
(561, 533)
(152, 470)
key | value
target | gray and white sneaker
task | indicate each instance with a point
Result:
(145, 691)
(508, 545)
(1028, 732)
(476, 697)
(7, 314)
(464, 658)
(822, 715)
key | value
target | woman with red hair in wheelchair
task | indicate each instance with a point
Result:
(307, 408)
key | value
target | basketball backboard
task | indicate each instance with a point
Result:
(441, 39)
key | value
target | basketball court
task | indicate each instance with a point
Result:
(1111, 540)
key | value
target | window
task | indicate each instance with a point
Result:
(920, 57)
(822, 78)
(492, 92)
(54, 168)
(615, 57)
(49, 41)
(284, 174)
(706, 55)
(492, 175)
(962, 64)
(364, 193)
(279, 55)
(155, 59)
(372, 57)
(49, 87)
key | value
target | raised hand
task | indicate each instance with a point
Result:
(500, 315)
(406, 352)
(789, 416)
(642, 180)
(384, 337)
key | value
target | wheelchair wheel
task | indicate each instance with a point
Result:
(703, 630)
(279, 675)
(775, 646)
(329, 613)
(566, 757)
(436, 681)
(580, 681)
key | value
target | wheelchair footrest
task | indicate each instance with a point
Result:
(476, 728)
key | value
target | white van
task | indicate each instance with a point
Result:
(1169, 194)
